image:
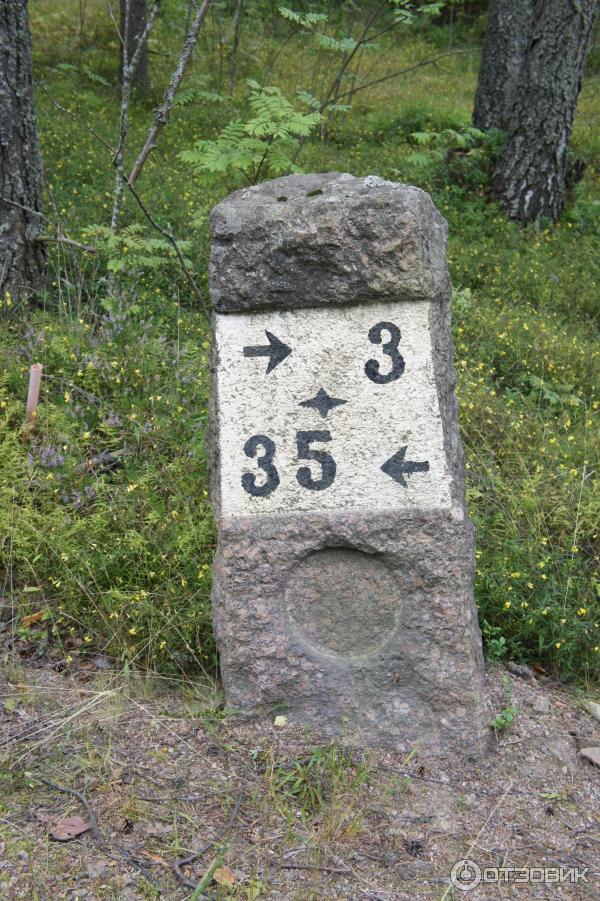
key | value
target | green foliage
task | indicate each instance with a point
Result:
(93, 76)
(115, 550)
(308, 783)
(305, 20)
(504, 718)
(465, 155)
(585, 215)
(339, 45)
(408, 12)
(195, 94)
(462, 140)
(387, 125)
(496, 645)
(134, 248)
(507, 715)
(263, 146)
(556, 396)
(530, 423)
(526, 322)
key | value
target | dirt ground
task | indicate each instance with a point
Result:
(268, 812)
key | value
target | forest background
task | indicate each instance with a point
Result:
(106, 531)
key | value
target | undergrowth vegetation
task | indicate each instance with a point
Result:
(106, 533)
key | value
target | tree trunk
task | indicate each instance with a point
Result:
(533, 101)
(22, 255)
(507, 38)
(237, 30)
(133, 18)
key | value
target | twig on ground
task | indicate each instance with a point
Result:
(486, 822)
(448, 783)
(75, 389)
(50, 726)
(104, 461)
(189, 799)
(66, 790)
(139, 771)
(310, 866)
(186, 861)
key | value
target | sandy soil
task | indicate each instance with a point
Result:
(283, 814)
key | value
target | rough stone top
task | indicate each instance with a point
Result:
(317, 240)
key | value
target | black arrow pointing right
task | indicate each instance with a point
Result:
(397, 467)
(275, 350)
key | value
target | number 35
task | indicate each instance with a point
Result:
(304, 474)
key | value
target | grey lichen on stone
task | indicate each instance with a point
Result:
(313, 240)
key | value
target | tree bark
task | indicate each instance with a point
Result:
(531, 77)
(22, 255)
(237, 30)
(134, 14)
(507, 37)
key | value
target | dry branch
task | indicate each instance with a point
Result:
(163, 112)
(75, 117)
(186, 861)
(129, 67)
(81, 798)
(430, 61)
(172, 240)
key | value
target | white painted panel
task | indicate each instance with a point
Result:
(329, 349)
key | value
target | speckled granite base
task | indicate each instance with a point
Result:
(384, 646)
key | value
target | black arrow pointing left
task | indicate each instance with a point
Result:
(275, 350)
(397, 467)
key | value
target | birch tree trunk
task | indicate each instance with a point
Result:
(22, 256)
(532, 69)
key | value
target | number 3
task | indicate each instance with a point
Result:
(390, 348)
(265, 462)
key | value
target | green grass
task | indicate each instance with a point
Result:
(120, 560)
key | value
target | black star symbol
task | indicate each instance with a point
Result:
(322, 402)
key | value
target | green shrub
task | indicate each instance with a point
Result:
(104, 515)
(120, 559)
(262, 147)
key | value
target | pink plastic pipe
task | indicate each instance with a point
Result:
(33, 393)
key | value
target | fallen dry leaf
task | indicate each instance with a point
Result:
(69, 828)
(155, 857)
(224, 876)
(27, 621)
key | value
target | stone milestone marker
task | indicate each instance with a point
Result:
(343, 575)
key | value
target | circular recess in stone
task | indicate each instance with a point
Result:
(342, 601)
